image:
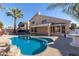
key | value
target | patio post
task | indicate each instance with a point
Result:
(60, 28)
(49, 25)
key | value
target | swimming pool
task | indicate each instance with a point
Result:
(29, 45)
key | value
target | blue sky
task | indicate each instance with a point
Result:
(29, 10)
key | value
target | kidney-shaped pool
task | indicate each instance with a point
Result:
(29, 45)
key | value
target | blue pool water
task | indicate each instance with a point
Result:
(29, 45)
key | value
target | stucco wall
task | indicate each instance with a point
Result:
(38, 20)
(42, 30)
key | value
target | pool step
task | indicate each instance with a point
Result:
(50, 43)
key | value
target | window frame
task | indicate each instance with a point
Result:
(44, 21)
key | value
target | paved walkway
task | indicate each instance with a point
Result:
(63, 45)
(50, 52)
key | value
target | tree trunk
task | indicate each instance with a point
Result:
(14, 31)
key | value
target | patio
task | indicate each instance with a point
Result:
(63, 46)
(60, 47)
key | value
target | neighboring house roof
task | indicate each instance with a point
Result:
(9, 27)
(21, 24)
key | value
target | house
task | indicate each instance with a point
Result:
(41, 24)
(8, 30)
(23, 28)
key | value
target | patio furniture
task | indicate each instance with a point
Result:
(75, 35)
(75, 41)
(3, 53)
(4, 48)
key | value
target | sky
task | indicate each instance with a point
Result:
(29, 10)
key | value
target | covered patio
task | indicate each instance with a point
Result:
(49, 29)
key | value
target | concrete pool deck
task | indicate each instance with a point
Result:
(14, 51)
(60, 47)
(62, 44)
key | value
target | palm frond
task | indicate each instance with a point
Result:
(71, 9)
(56, 5)
(9, 14)
(14, 12)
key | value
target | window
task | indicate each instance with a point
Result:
(44, 21)
(31, 29)
(53, 29)
(33, 22)
(35, 29)
(63, 29)
(56, 29)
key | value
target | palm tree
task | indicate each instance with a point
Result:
(69, 8)
(15, 13)
(1, 8)
(1, 25)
